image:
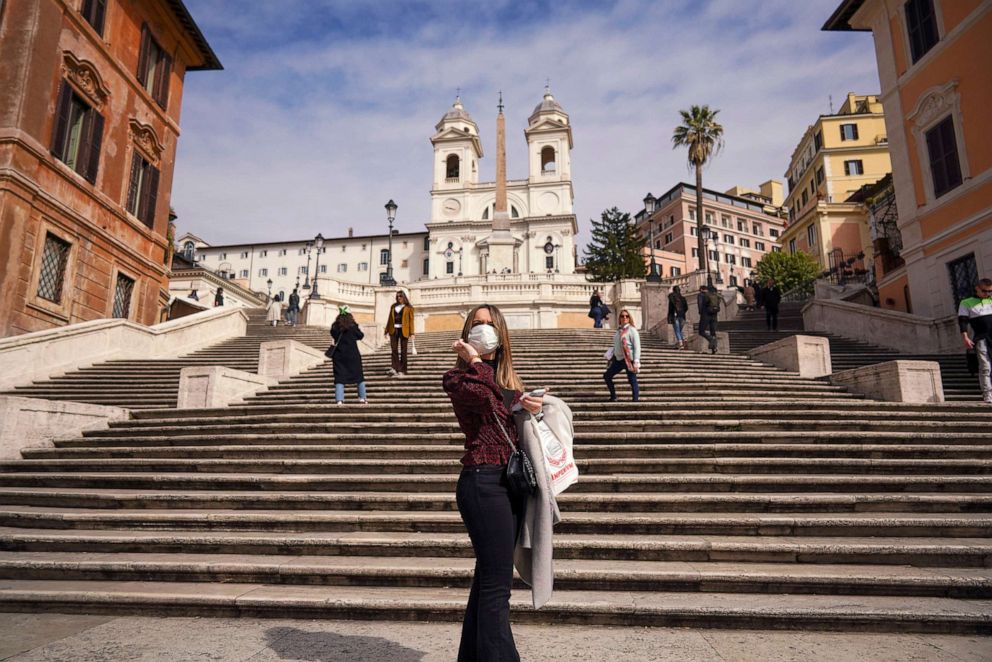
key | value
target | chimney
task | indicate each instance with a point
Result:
(351, 232)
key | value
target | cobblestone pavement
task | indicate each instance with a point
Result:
(78, 638)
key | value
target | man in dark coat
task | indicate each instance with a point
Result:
(772, 297)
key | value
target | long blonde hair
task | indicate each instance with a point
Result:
(506, 376)
(630, 318)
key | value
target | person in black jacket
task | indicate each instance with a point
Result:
(346, 358)
(772, 297)
(597, 311)
(677, 308)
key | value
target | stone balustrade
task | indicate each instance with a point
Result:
(36, 423)
(884, 328)
(894, 381)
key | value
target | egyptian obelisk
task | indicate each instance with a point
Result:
(500, 241)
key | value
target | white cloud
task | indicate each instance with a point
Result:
(300, 136)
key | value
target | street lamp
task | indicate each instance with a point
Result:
(390, 216)
(709, 240)
(557, 258)
(649, 206)
(318, 243)
(269, 283)
(460, 249)
(306, 276)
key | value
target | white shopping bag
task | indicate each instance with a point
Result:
(413, 346)
(558, 460)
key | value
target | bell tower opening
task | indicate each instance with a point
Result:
(548, 164)
(452, 168)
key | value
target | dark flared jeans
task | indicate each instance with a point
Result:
(398, 345)
(614, 369)
(492, 518)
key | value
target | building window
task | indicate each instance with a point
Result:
(724, 220)
(730, 259)
(759, 245)
(94, 11)
(817, 141)
(244, 273)
(342, 268)
(549, 262)
(745, 243)
(848, 132)
(773, 233)
(449, 267)
(263, 272)
(792, 246)
(854, 167)
(427, 244)
(142, 195)
(452, 167)
(741, 225)
(714, 256)
(942, 148)
(154, 67)
(921, 26)
(733, 281)
(302, 270)
(708, 216)
(676, 271)
(303, 251)
(548, 159)
(692, 213)
(244, 254)
(805, 198)
(427, 265)
(122, 296)
(964, 277)
(384, 256)
(811, 236)
(363, 266)
(670, 237)
(323, 268)
(263, 253)
(282, 252)
(54, 259)
(728, 238)
(285, 270)
(746, 262)
(820, 176)
(776, 249)
(692, 231)
(78, 133)
(695, 252)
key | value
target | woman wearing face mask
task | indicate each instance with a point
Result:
(483, 388)
(626, 355)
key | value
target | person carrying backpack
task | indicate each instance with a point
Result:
(708, 302)
(677, 308)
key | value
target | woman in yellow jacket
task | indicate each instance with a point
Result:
(399, 328)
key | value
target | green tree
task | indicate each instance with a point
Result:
(615, 250)
(703, 137)
(789, 270)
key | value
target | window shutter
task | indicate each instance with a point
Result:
(61, 128)
(151, 196)
(91, 156)
(132, 192)
(143, 56)
(162, 80)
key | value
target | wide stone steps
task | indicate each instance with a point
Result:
(440, 572)
(810, 502)
(657, 608)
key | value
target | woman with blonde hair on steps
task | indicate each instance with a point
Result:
(626, 355)
(484, 388)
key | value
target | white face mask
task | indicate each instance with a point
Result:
(484, 339)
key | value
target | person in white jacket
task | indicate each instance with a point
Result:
(626, 355)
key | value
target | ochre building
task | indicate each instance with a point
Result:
(89, 120)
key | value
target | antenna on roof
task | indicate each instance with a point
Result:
(831, 97)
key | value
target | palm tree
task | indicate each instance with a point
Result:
(700, 133)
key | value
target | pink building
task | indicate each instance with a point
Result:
(742, 228)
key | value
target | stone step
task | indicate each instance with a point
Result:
(647, 464)
(961, 525)
(812, 550)
(437, 572)
(723, 610)
(395, 452)
(627, 483)
(442, 501)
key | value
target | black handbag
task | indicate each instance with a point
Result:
(329, 352)
(521, 480)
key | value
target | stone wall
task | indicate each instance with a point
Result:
(885, 328)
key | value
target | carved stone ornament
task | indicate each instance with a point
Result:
(146, 140)
(934, 104)
(84, 77)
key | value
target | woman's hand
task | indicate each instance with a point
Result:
(465, 351)
(637, 367)
(532, 404)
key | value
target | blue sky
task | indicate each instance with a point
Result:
(325, 107)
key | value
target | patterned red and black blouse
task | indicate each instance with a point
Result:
(476, 397)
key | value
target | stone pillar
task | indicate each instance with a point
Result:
(206, 387)
(807, 355)
(279, 359)
(895, 381)
(36, 422)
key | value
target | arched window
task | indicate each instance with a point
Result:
(485, 214)
(453, 169)
(548, 159)
(513, 212)
(188, 249)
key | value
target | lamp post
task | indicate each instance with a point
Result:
(649, 206)
(306, 276)
(318, 243)
(460, 249)
(557, 258)
(269, 283)
(390, 216)
(707, 242)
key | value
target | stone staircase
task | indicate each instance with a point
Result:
(749, 331)
(732, 495)
(154, 383)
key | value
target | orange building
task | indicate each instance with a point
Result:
(89, 121)
(934, 63)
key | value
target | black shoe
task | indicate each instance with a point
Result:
(613, 399)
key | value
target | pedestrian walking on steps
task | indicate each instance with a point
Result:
(976, 312)
(484, 389)
(708, 303)
(750, 299)
(293, 310)
(219, 297)
(677, 309)
(625, 356)
(597, 311)
(274, 310)
(399, 328)
(773, 297)
(346, 358)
